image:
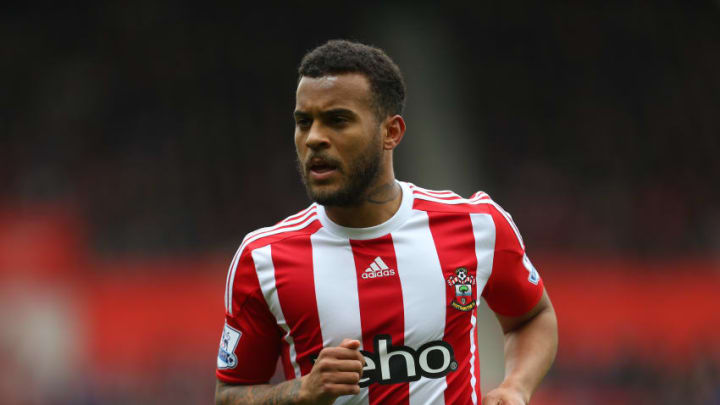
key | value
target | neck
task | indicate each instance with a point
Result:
(380, 203)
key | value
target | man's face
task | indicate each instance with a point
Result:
(337, 138)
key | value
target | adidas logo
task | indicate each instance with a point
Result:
(378, 269)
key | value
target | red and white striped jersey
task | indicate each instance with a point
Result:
(407, 289)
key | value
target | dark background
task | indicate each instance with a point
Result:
(167, 125)
(165, 130)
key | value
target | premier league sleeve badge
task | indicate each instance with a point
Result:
(228, 343)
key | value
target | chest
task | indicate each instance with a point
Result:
(411, 285)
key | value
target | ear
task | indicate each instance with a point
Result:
(393, 131)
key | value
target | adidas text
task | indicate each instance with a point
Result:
(379, 273)
(377, 269)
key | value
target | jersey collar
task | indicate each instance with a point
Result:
(402, 214)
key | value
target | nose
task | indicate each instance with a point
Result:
(317, 137)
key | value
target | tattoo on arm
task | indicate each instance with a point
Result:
(285, 393)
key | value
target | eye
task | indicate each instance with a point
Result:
(339, 120)
(303, 123)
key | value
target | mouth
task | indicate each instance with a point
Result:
(321, 169)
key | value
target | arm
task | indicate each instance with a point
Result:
(530, 346)
(336, 372)
(283, 393)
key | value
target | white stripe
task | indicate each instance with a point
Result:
(473, 379)
(381, 263)
(231, 278)
(436, 192)
(338, 304)
(458, 200)
(374, 266)
(508, 217)
(484, 234)
(444, 197)
(228, 284)
(423, 292)
(266, 276)
(413, 186)
(445, 193)
(299, 214)
(335, 288)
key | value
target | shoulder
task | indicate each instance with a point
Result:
(243, 265)
(301, 223)
(448, 201)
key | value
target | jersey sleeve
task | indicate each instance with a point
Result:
(514, 286)
(250, 340)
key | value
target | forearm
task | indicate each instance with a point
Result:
(286, 393)
(529, 352)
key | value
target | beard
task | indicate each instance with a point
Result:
(360, 175)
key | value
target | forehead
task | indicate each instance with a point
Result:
(351, 90)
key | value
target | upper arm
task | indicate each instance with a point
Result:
(510, 323)
(514, 288)
(250, 340)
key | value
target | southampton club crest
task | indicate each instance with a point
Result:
(463, 284)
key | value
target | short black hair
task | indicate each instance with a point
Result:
(341, 56)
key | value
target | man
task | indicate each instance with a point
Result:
(369, 296)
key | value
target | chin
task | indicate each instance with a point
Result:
(322, 189)
(332, 197)
(321, 194)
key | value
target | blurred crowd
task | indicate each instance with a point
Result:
(169, 127)
(632, 380)
(166, 129)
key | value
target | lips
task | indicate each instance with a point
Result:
(321, 168)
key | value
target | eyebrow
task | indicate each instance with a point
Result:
(338, 111)
(334, 111)
(300, 114)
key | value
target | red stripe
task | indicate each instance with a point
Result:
(455, 244)
(508, 291)
(295, 285)
(425, 205)
(381, 309)
(256, 358)
(309, 226)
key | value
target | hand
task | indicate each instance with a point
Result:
(504, 396)
(336, 372)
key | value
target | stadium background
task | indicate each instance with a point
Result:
(139, 141)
